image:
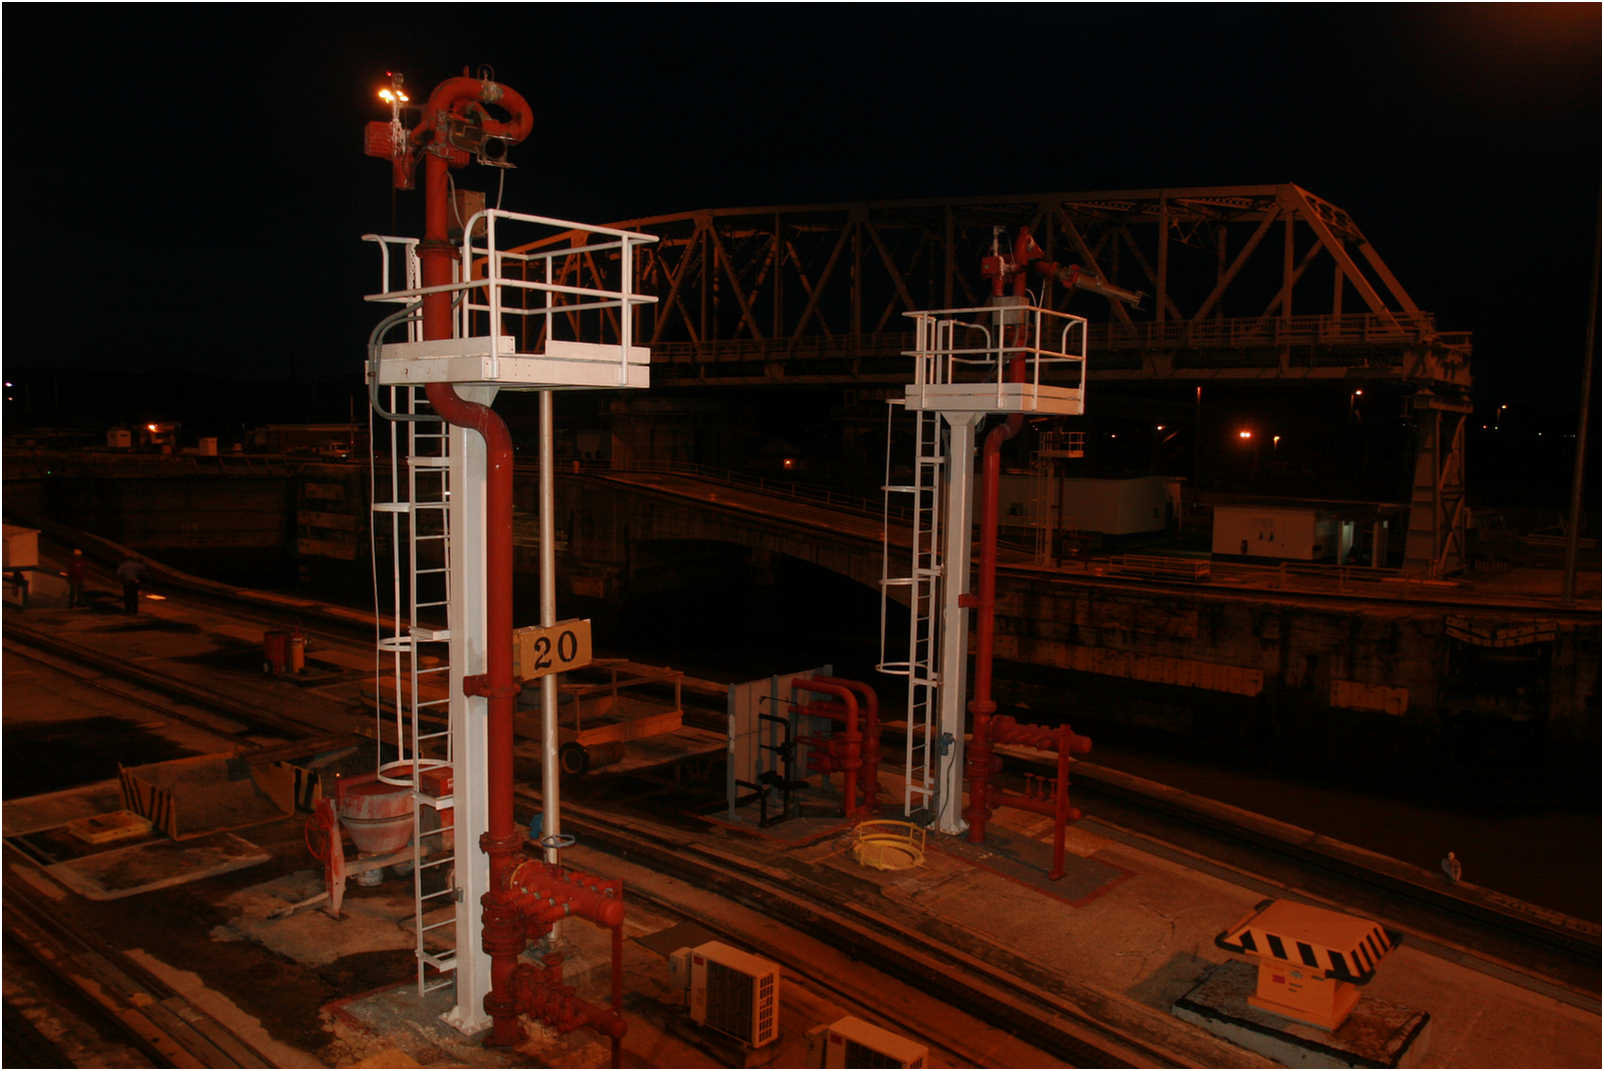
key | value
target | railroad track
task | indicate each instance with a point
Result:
(141, 1008)
(1040, 1007)
(1075, 1023)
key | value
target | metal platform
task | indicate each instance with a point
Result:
(563, 364)
(1034, 398)
(519, 321)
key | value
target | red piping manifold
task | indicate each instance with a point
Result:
(1053, 802)
(852, 739)
(542, 893)
(869, 750)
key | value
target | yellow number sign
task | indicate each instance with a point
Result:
(537, 650)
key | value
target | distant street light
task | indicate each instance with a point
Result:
(1245, 433)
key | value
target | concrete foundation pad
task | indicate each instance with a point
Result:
(1378, 1033)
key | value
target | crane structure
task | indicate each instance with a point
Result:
(1010, 358)
(480, 318)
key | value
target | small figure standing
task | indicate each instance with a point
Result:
(1451, 867)
(75, 579)
(132, 574)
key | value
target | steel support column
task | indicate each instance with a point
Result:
(959, 478)
(1434, 543)
(469, 715)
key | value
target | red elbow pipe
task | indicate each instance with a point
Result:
(869, 771)
(455, 91)
(826, 686)
(503, 935)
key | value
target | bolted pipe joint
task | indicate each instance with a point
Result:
(570, 892)
(503, 928)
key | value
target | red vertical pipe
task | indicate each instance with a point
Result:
(618, 989)
(1060, 806)
(869, 772)
(839, 689)
(982, 705)
(503, 937)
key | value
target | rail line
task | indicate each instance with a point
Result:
(1049, 1011)
(1540, 950)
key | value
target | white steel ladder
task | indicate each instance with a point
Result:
(417, 502)
(417, 645)
(922, 500)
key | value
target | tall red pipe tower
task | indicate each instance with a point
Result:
(488, 322)
(1008, 358)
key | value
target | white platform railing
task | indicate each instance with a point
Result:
(561, 302)
(977, 344)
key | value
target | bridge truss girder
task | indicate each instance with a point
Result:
(1244, 282)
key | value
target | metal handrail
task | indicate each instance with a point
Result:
(482, 280)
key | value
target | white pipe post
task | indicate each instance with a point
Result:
(551, 825)
(470, 748)
(955, 619)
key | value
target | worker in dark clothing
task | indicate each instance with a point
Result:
(132, 574)
(75, 579)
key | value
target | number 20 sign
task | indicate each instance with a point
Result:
(537, 650)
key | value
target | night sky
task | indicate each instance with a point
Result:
(185, 188)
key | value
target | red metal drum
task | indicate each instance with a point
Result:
(378, 816)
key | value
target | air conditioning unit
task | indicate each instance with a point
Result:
(851, 1042)
(731, 991)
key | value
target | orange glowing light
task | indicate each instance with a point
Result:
(152, 427)
(393, 96)
(788, 463)
(1244, 434)
(157, 598)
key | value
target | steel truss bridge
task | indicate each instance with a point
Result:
(1242, 283)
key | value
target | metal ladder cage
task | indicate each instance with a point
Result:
(417, 505)
(1052, 343)
(923, 585)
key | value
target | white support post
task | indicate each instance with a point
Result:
(469, 716)
(550, 784)
(955, 619)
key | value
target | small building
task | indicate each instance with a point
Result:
(1305, 534)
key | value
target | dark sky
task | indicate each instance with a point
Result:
(185, 188)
